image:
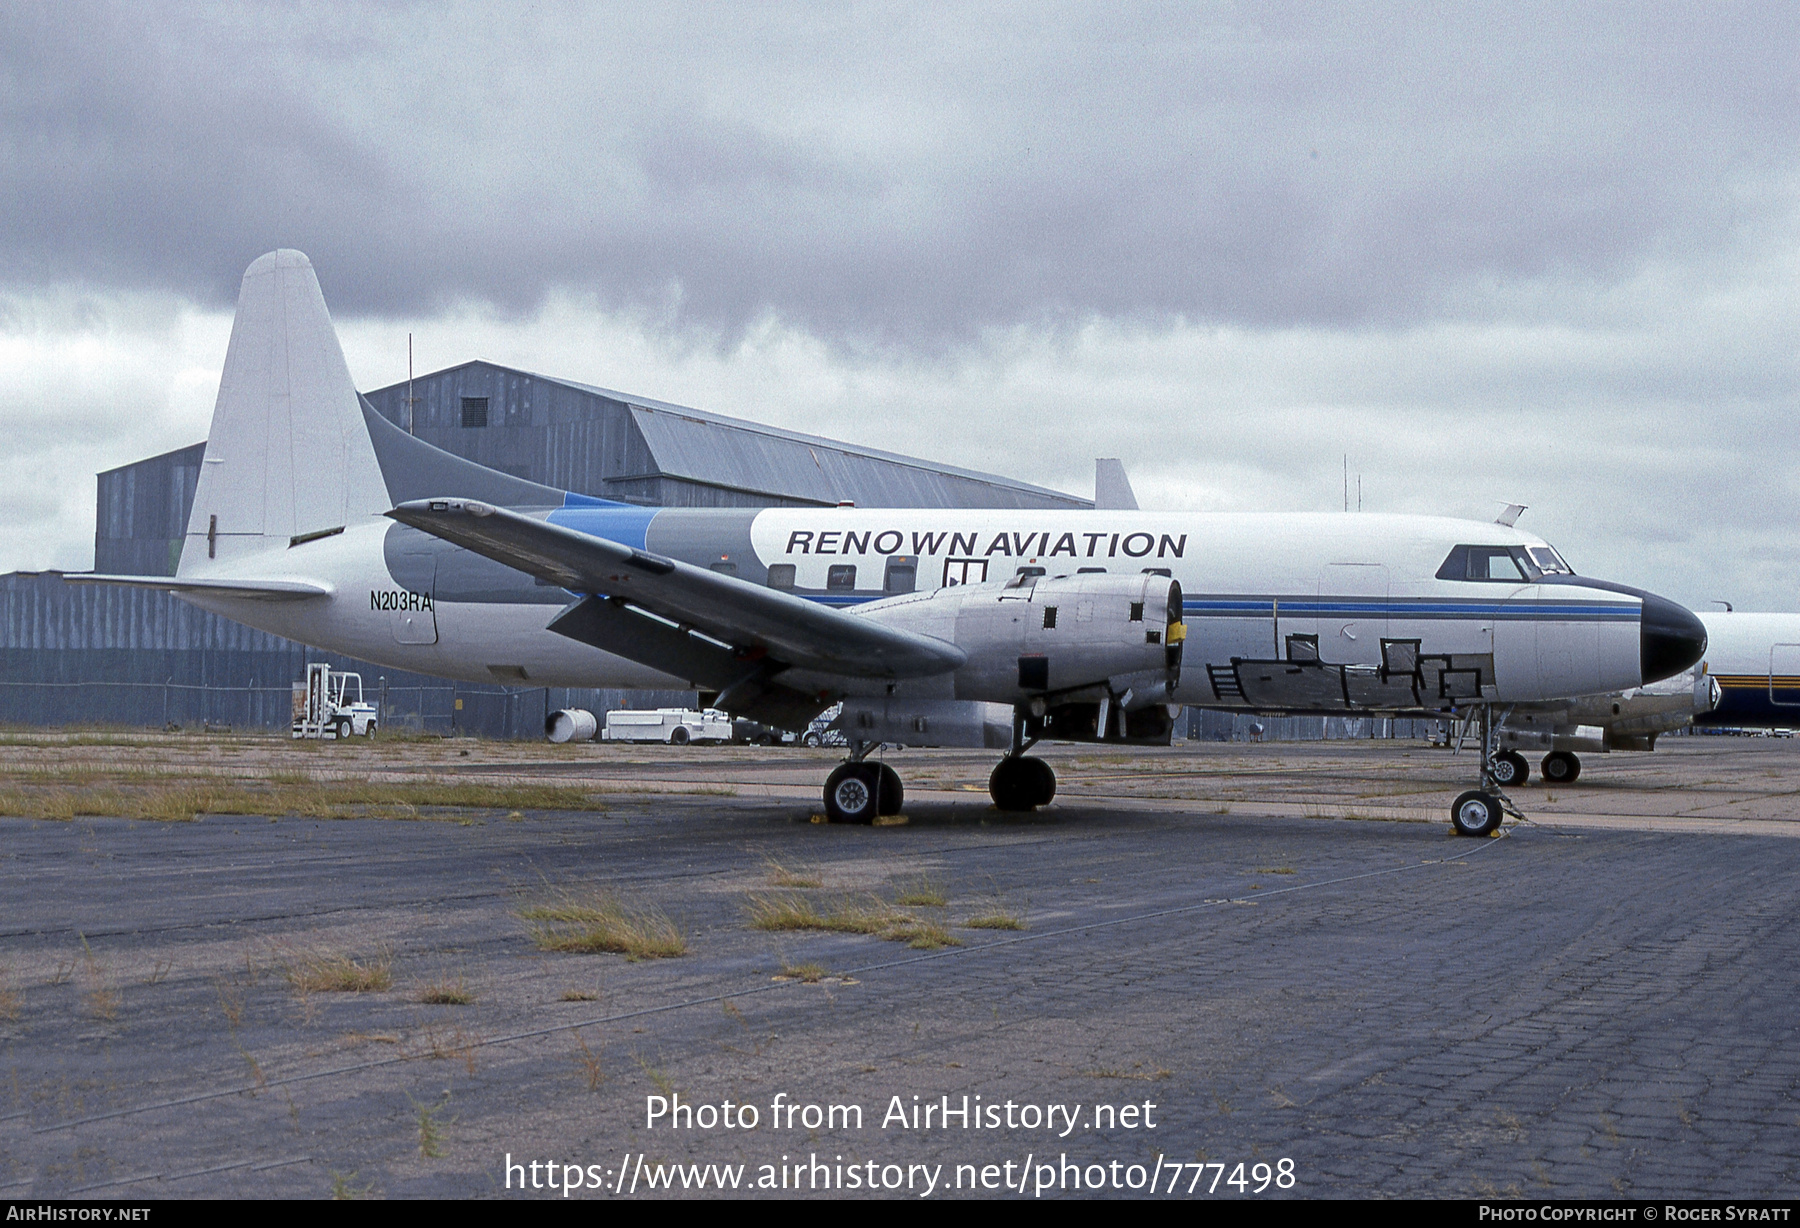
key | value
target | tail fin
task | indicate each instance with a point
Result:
(289, 455)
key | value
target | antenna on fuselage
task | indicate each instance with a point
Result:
(1510, 516)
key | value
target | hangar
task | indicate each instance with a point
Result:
(97, 654)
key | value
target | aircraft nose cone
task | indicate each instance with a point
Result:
(1672, 639)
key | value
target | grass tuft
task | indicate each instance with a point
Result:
(447, 991)
(782, 876)
(598, 921)
(922, 893)
(810, 974)
(333, 973)
(994, 921)
(846, 915)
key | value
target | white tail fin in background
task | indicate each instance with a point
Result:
(289, 456)
(1112, 489)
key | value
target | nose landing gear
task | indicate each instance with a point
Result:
(1479, 812)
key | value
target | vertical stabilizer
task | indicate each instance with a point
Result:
(1112, 489)
(289, 455)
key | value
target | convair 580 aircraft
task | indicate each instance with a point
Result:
(316, 519)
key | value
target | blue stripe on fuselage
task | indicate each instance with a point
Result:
(1423, 608)
(624, 523)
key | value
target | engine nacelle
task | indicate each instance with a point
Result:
(1042, 641)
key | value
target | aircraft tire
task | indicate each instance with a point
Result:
(892, 794)
(1040, 781)
(851, 793)
(1560, 768)
(1510, 769)
(678, 736)
(1010, 786)
(1475, 814)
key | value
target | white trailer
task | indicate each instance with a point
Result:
(676, 726)
(329, 704)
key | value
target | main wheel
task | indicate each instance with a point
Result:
(1560, 767)
(1510, 769)
(892, 792)
(1475, 814)
(678, 736)
(1013, 785)
(1040, 781)
(850, 793)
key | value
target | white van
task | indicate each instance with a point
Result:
(676, 726)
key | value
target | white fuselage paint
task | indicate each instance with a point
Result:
(1250, 583)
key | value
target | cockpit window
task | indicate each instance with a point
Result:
(1488, 563)
(1549, 561)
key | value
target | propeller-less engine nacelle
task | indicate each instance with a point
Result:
(1042, 642)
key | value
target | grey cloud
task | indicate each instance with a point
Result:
(884, 176)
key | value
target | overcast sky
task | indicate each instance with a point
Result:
(1545, 255)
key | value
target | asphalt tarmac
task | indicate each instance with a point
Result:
(1273, 957)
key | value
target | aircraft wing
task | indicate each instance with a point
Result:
(257, 590)
(749, 623)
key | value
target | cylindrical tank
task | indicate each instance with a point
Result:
(571, 725)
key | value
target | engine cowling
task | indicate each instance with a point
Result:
(1040, 641)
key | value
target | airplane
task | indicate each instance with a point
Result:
(1748, 679)
(316, 519)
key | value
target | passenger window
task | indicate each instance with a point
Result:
(841, 577)
(902, 574)
(781, 575)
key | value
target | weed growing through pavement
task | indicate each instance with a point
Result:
(325, 972)
(846, 915)
(783, 876)
(923, 892)
(431, 1130)
(589, 1061)
(447, 991)
(999, 919)
(598, 921)
(658, 1078)
(810, 974)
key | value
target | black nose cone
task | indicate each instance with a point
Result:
(1672, 639)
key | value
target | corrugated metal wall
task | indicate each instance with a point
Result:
(90, 654)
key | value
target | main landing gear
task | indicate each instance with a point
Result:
(1560, 767)
(859, 791)
(1480, 811)
(1020, 783)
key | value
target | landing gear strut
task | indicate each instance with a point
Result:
(858, 791)
(1479, 811)
(1019, 782)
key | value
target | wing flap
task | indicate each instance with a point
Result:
(753, 620)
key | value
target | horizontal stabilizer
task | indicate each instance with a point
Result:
(751, 620)
(255, 590)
